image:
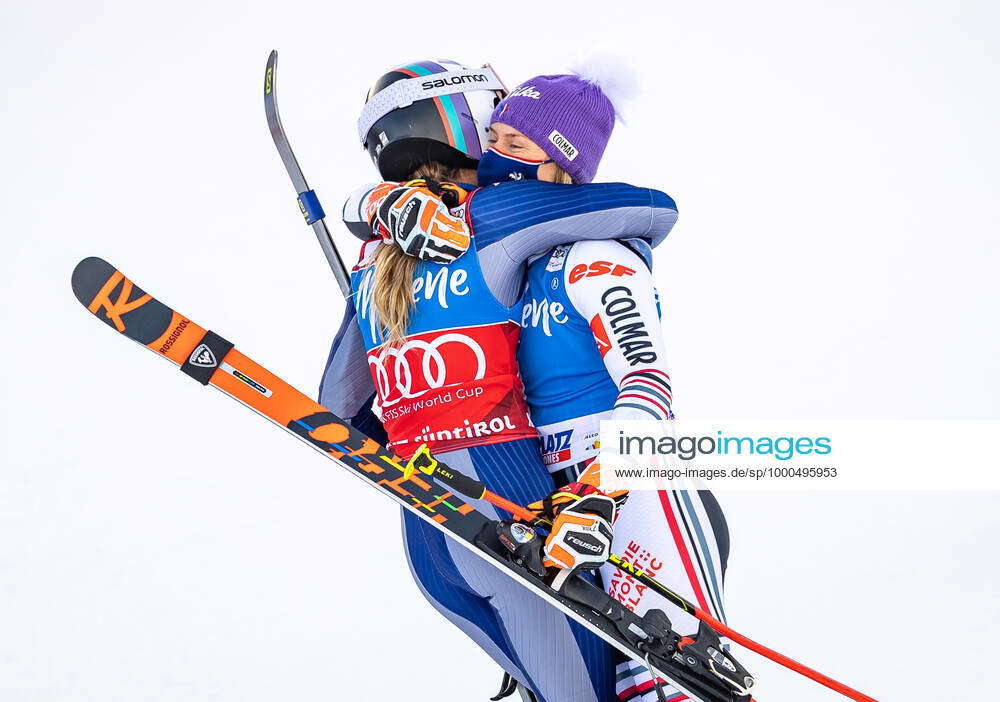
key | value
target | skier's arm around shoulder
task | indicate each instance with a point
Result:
(354, 212)
(529, 216)
(610, 283)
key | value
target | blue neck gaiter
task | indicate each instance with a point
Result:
(497, 167)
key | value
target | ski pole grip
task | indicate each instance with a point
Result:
(460, 482)
(423, 461)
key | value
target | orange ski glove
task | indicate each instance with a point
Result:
(415, 216)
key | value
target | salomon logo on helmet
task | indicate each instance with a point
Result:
(404, 124)
(454, 80)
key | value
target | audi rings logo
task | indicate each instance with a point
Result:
(431, 370)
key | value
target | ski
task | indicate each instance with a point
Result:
(309, 204)
(697, 666)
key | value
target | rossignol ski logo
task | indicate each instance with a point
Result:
(454, 80)
(203, 357)
(181, 326)
(632, 337)
(564, 145)
(114, 310)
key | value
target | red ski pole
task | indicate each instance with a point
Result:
(423, 461)
(736, 636)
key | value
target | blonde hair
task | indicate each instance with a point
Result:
(561, 176)
(392, 286)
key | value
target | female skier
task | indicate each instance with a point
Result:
(440, 342)
(592, 305)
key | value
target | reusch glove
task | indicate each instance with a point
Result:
(588, 483)
(582, 519)
(414, 215)
(581, 534)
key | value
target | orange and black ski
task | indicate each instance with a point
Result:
(211, 360)
(416, 485)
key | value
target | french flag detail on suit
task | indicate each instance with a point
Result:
(647, 390)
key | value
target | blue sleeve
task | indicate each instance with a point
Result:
(642, 249)
(529, 216)
(347, 388)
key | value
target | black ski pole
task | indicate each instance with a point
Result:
(309, 204)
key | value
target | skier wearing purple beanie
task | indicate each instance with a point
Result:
(560, 122)
(592, 304)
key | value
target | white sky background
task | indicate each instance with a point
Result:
(836, 257)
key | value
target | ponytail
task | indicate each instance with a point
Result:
(392, 288)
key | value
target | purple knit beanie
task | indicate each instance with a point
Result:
(568, 116)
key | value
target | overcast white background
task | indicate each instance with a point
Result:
(836, 257)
